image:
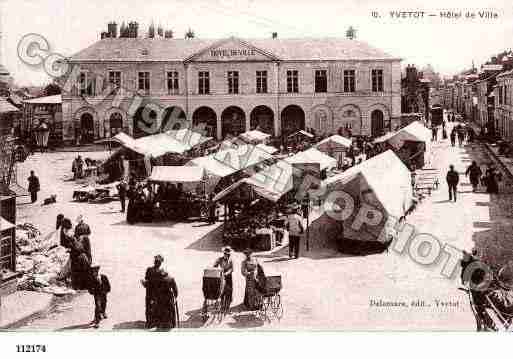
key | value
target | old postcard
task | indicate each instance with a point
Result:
(242, 165)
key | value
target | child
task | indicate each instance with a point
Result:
(99, 288)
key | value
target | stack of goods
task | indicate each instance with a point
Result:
(42, 262)
(242, 233)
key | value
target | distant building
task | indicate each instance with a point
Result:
(415, 92)
(43, 111)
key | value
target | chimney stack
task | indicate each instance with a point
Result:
(112, 29)
(133, 28)
(274, 35)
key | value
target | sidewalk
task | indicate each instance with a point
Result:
(21, 306)
(504, 162)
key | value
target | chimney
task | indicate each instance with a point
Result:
(112, 29)
(274, 35)
(133, 28)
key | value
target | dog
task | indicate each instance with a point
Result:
(50, 200)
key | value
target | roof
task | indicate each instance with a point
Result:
(231, 160)
(5, 224)
(333, 142)
(5, 106)
(54, 99)
(387, 177)
(254, 136)
(415, 131)
(176, 174)
(276, 180)
(179, 141)
(266, 189)
(131, 49)
(313, 155)
(302, 132)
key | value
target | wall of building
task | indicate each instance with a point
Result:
(324, 111)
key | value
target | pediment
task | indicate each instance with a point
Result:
(231, 49)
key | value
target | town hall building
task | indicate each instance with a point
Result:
(230, 86)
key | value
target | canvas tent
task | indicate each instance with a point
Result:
(412, 143)
(228, 162)
(176, 174)
(302, 133)
(313, 155)
(142, 151)
(272, 182)
(335, 146)
(383, 183)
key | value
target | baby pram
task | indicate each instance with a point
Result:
(213, 287)
(270, 286)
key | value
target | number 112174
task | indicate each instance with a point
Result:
(23, 348)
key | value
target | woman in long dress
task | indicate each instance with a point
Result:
(492, 186)
(249, 269)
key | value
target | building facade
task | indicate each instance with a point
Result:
(504, 105)
(142, 86)
(415, 92)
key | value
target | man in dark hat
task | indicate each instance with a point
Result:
(452, 179)
(33, 186)
(294, 225)
(99, 287)
(151, 279)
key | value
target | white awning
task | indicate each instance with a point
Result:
(254, 136)
(176, 174)
(54, 99)
(229, 161)
(303, 133)
(313, 155)
(335, 142)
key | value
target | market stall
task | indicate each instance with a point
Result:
(180, 192)
(335, 146)
(384, 184)
(171, 148)
(253, 215)
(411, 143)
(255, 137)
(227, 165)
(299, 140)
(255, 204)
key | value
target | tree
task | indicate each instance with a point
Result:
(168, 34)
(160, 31)
(52, 89)
(351, 33)
(190, 34)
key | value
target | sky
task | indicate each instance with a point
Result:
(449, 45)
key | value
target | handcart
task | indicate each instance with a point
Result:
(213, 288)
